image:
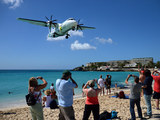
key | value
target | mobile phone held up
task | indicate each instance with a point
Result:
(130, 74)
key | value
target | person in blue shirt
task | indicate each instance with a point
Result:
(65, 96)
(147, 91)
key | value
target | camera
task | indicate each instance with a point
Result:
(37, 78)
(130, 74)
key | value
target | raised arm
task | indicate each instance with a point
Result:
(85, 87)
(99, 87)
(126, 81)
(43, 85)
(110, 76)
(73, 81)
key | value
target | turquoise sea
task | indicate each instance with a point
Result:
(16, 82)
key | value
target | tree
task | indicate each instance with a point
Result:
(140, 65)
(158, 64)
(118, 63)
(151, 64)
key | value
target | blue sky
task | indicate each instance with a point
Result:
(125, 29)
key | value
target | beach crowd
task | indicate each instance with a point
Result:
(62, 97)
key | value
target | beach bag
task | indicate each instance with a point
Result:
(121, 94)
(53, 104)
(105, 115)
(30, 100)
(113, 114)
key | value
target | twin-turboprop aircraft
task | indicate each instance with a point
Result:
(60, 29)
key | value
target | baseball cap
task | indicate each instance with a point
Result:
(66, 72)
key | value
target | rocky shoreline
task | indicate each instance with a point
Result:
(108, 70)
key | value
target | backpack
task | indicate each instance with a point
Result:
(121, 94)
(105, 115)
(113, 114)
(30, 100)
(53, 104)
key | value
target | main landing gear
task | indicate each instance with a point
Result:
(67, 36)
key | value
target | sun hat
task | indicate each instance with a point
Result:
(66, 72)
(91, 83)
(47, 92)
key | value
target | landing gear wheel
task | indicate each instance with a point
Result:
(67, 37)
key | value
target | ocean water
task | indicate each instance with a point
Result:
(16, 82)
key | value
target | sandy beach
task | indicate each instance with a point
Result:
(106, 103)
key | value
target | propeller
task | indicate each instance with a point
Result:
(79, 25)
(50, 22)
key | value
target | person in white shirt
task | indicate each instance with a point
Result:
(102, 84)
(52, 87)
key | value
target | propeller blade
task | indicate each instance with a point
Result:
(54, 20)
(78, 21)
(79, 25)
(51, 17)
(47, 18)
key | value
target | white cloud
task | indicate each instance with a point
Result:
(56, 39)
(72, 33)
(78, 46)
(102, 40)
(76, 33)
(15, 3)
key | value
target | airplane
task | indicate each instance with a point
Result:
(60, 29)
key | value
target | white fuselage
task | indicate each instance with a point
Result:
(62, 29)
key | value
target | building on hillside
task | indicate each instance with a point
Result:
(129, 63)
(143, 61)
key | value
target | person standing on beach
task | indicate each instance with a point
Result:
(156, 94)
(92, 103)
(147, 90)
(65, 96)
(52, 87)
(102, 84)
(83, 94)
(135, 90)
(108, 84)
(37, 109)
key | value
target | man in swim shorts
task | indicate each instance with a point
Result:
(108, 84)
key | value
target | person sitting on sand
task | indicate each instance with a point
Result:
(47, 98)
(134, 96)
(37, 109)
(102, 84)
(92, 103)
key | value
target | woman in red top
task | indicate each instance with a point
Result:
(92, 103)
(156, 94)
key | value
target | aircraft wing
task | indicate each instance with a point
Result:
(37, 22)
(85, 27)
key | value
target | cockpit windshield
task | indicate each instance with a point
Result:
(71, 19)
